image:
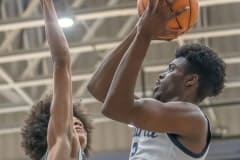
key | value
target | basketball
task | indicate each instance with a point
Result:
(184, 21)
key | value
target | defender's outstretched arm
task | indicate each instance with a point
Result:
(60, 129)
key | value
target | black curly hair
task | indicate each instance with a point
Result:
(205, 62)
(34, 130)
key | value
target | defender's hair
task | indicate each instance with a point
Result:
(34, 131)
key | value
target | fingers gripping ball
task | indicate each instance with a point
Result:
(183, 21)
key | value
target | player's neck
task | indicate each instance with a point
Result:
(185, 98)
(191, 98)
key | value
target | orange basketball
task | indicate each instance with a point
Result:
(184, 21)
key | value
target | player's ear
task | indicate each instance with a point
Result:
(191, 79)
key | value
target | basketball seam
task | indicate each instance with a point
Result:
(179, 25)
(190, 14)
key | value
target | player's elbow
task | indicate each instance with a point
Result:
(95, 93)
(109, 109)
(112, 115)
(106, 112)
(116, 111)
(117, 116)
(90, 88)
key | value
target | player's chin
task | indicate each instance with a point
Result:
(157, 94)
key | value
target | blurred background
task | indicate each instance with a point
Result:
(93, 28)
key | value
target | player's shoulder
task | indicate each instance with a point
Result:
(192, 108)
(194, 116)
(198, 118)
(171, 104)
(185, 106)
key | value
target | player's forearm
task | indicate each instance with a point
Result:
(100, 82)
(56, 39)
(120, 98)
(61, 108)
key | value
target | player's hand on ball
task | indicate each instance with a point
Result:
(153, 22)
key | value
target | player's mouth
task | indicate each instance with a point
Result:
(79, 129)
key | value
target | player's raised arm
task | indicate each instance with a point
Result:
(120, 104)
(60, 124)
(100, 82)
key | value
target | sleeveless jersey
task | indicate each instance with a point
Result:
(147, 145)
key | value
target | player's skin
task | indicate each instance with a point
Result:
(173, 108)
(66, 134)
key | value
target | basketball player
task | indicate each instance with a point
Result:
(57, 129)
(170, 125)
